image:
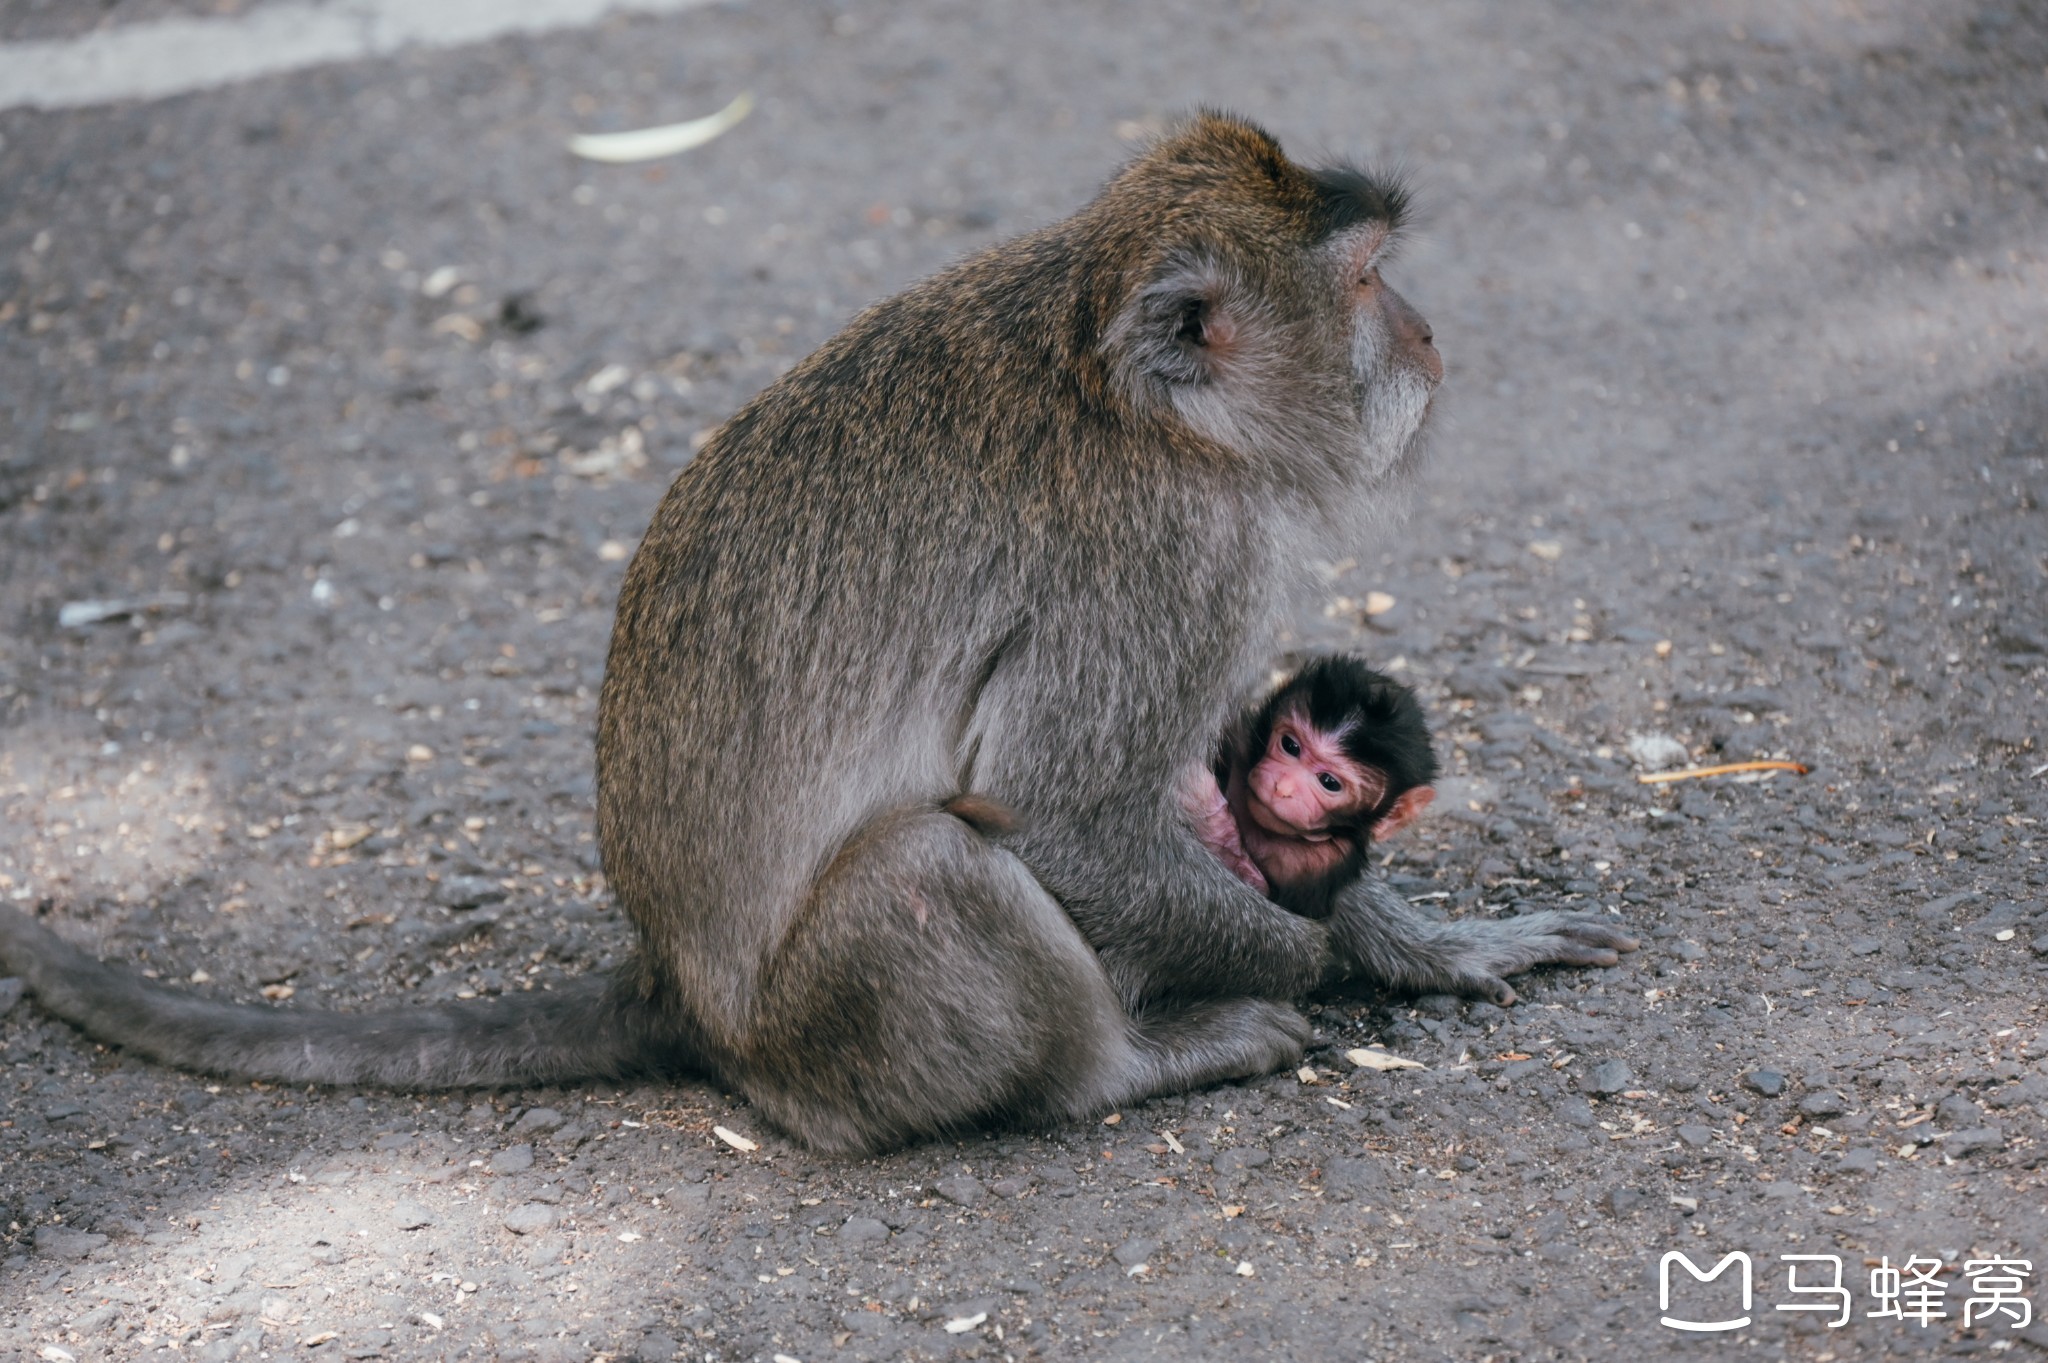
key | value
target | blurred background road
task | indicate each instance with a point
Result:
(334, 394)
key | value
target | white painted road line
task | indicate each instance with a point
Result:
(173, 56)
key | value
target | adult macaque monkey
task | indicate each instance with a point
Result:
(1023, 533)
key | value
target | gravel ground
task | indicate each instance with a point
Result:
(357, 391)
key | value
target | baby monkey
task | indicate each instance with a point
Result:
(1302, 785)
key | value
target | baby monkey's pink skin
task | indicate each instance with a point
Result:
(1216, 826)
(1301, 811)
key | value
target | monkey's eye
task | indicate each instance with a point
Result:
(1330, 783)
(1289, 746)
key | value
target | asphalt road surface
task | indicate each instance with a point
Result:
(353, 390)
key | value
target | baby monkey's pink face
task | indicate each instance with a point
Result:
(1306, 784)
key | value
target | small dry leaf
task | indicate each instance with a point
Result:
(646, 144)
(459, 324)
(1231, 1213)
(1372, 1058)
(1112, 1119)
(1305, 1075)
(963, 1324)
(278, 993)
(1378, 603)
(734, 1138)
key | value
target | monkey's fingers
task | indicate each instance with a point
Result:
(1589, 929)
(1491, 988)
(1510, 946)
(1571, 953)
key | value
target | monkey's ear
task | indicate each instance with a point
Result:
(1183, 328)
(1407, 808)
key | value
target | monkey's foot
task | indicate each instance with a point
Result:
(1208, 1043)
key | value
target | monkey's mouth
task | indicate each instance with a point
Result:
(1272, 823)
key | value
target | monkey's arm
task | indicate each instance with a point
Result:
(1216, 826)
(1377, 934)
(1165, 916)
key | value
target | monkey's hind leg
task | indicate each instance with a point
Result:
(930, 984)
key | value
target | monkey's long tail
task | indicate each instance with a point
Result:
(592, 1028)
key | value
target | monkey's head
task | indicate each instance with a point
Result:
(1247, 303)
(1340, 747)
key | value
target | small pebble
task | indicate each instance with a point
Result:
(863, 1230)
(1769, 1083)
(1822, 1104)
(962, 1190)
(1961, 1143)
(407, 1214)
(62, 1242)
(538, 1121)
(1609, 1077)
(513, 1159)
(530, 1217)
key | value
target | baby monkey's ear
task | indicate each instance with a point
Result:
(1407, 807)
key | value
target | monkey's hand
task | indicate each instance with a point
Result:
(1376, 934)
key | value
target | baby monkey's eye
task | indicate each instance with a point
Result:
(1289, 746)
(1330, 783)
